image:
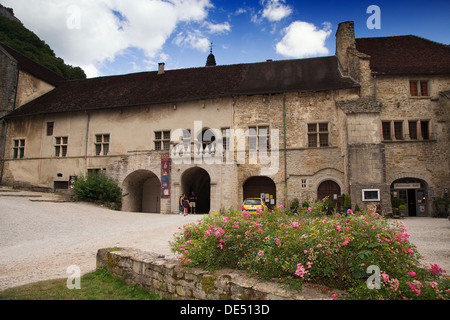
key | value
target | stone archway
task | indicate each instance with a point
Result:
(330, 189)
(412, 193)
(197, 180)
(253, 187)
(142, 190)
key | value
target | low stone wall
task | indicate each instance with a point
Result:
(167, 278)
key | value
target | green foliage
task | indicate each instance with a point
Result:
(347, 202)
(97, 187)
(16, 36)
(309, 246)
(294, 203)
(442, 201)
(396, 202)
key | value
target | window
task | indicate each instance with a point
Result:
(418, 88)
(398, 130)
(258, 136)
(226, 138)
(424, 128)
(207, 139)
(323, 134)
(50, 126)
(318, 135)
(386, 130)
(413, 130)
(412, 126)
(263, 133)
(19, 148)
(96, 171)
(303, 183)
(371, 195)
(162, 140)
(252, 138)
(61, 146)
(187, 139)
(102, 144)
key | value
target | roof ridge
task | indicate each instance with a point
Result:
(405, 36)
(202, 67)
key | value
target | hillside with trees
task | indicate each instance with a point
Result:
(14, 34)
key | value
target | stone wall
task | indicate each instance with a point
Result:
(9, 72)
(167, 278)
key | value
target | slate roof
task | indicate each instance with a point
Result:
(405, 55)
(147, 88)
(28, 65)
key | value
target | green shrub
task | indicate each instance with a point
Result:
(311, 247)
(97, 187)
(347, 201)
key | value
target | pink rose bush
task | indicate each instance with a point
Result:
(312, 247)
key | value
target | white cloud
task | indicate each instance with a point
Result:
(303, 39)
(192, 39)
(217, 28)
(275, 10)
(88, 33)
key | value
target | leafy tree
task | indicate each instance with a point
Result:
(16, 36)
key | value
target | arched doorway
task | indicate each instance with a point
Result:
(256, 187)
(412, 193)
(142, 190)
(198, 180)
(330, 189)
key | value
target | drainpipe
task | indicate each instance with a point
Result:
(86, 143)
(375, 87)
(285, 158)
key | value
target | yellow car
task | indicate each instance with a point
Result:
(253, 204)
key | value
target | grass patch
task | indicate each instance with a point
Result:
(97, 285)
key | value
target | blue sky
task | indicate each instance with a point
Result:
(108, 37)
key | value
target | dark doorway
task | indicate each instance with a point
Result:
(198, 180)
(255, 187)
(412, 209)
(331, 190)
(412, 193)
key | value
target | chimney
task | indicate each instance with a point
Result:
(345, 39)
(161, 67)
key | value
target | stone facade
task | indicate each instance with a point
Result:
(361, 133)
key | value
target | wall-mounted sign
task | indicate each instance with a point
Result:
(413, 185)
(165, 175)
(72, 180)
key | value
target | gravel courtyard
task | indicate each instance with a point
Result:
(40, 238)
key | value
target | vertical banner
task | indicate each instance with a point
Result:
(165, 175)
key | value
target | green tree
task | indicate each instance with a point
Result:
(16, 36)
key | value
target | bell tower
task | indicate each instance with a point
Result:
(211, 60)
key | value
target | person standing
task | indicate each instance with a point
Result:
(180, 202)
(186, 205)
(193, 202)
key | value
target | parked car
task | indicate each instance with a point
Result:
(253, 204)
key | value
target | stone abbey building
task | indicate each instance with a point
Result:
(372, 121)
